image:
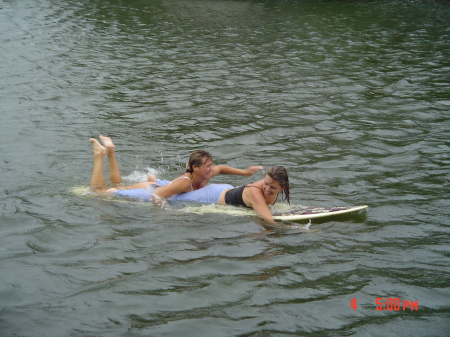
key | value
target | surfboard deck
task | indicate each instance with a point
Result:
(306, 213)
(293, 213)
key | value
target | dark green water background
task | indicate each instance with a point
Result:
(353, 97)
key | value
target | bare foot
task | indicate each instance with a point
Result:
(107, 142)
(97, 148)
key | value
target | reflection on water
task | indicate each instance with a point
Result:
(353, 98)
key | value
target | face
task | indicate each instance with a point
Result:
(205, 169)
(271, 187)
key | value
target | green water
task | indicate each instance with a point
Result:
(352, 97)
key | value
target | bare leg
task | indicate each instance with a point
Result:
(144, 184)
(98, 178)
(114, 172)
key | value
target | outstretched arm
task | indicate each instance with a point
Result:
(223, 169)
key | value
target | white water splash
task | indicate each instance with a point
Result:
(301, 227)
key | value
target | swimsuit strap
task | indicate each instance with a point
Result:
(192, 186)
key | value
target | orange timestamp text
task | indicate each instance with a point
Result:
(390, 304)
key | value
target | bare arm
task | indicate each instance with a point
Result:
(223, 169)
(175, 187)
(259, 205)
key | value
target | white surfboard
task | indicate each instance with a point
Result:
(307, 213)
(293, 213)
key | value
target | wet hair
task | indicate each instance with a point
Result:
(196, 159)
(279, 174)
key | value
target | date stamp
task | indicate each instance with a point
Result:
(390, 304)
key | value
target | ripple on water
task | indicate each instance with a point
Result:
(355, 106)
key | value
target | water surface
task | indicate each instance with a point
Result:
(353, 97)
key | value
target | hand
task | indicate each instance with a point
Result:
(251, 170)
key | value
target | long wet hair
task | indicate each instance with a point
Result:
(196, 159)
(279, 173)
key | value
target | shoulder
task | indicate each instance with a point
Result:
(183, 182)
(258, 183)
(254, 190)
(183, 177)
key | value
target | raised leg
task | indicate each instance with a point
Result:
(98, 178)
(114, 172)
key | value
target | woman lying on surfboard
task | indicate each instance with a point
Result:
(199, 170)
(191, 186)
(257, 195)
